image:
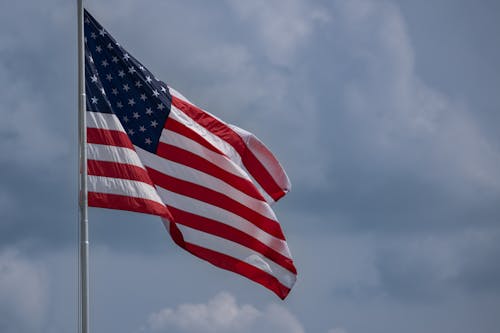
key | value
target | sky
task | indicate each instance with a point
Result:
(385, 115)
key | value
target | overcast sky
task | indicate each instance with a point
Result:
(385, 115)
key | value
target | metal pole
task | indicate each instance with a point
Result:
(83, 202)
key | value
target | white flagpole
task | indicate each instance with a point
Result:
(83, 201)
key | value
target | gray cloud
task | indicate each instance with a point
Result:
(400, 154)
(38, 124)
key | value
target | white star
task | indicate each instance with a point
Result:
(109, 77)
(148, 141)
(126, 87)
(94, 100)
(94, 78)
(110, 46)
(115, 60)
(155, 93)
(119, 105)
(160, 106)
(163, 89)
(102, 91)
(93, 35)
(148, 79)
(104, 63)
(102, 32)
(141, 67)
(136, 115)
(138, 84)
(114, 91)
(143, 97)
(87, 20)
(154, 123)
(121, 73)
(126, 56)
(149, 111)
(131, 70)
(125, 119)
(142, 129)
(91, 59)
(98, 48)
(131, 132)
(131, 102)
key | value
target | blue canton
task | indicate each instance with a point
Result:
(117, 83)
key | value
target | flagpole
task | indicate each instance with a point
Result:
(83, 200)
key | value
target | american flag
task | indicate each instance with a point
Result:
(152, 151)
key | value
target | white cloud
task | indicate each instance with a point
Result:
(23, 294)
(219, 314)
(223, 314)
(281, 26)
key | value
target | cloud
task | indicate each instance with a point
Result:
(395, 104)
(5, 202)
(405, 123)
(281, 27)
(23, 130)
(23, 294)
(35, 82)
(223, 314)
(393, 151)
(337, 330)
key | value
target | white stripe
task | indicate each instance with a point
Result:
(239, 252)
(104, 121)
(113, 154)
(186, 173)
(180, 96)
(213, 139)
(126, 187)
(180, 141)
(221, 215)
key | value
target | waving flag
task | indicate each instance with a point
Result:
(152, 151)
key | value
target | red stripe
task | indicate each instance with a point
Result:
(177, 127)
(240, 267)
(118, 170)
(217, 127)
(215, 198)
(133, 204)
(222, 230)
(108, 137)
(194, 161)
